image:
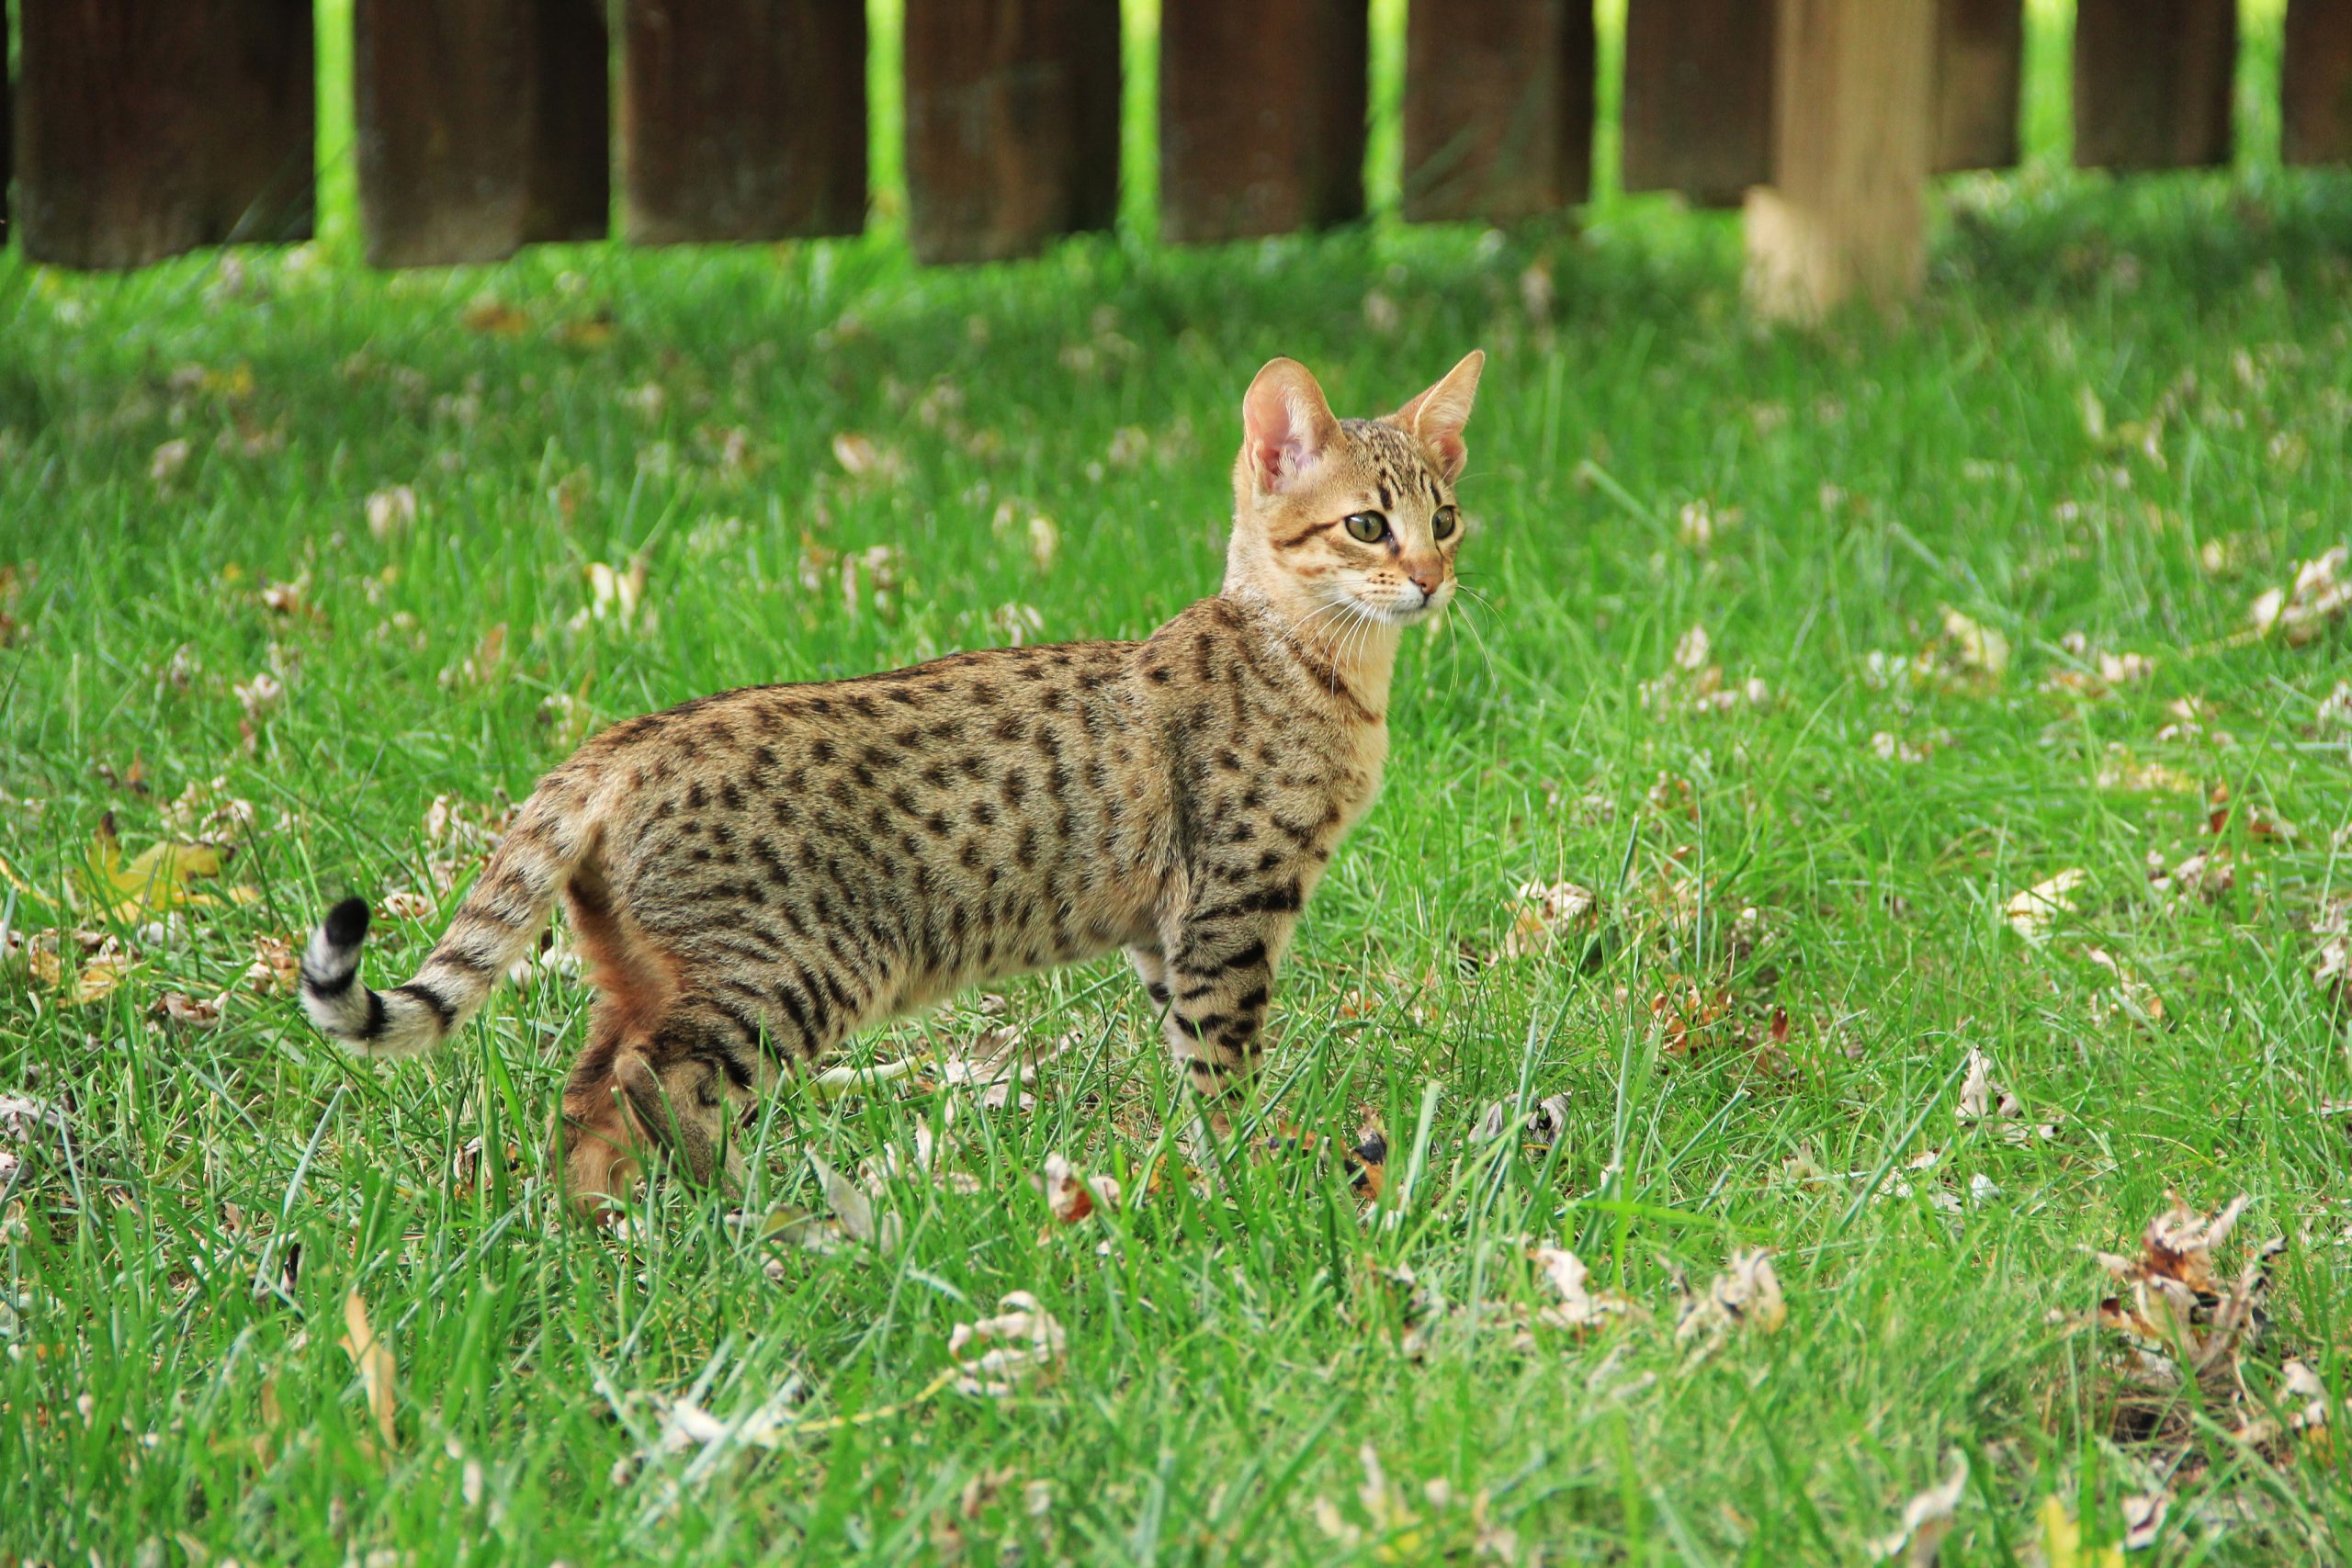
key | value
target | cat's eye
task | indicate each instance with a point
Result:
(1370, 527)
(1446, 521)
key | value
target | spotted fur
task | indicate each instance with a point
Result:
(756, 874)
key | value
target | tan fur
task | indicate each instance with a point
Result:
(755, 875)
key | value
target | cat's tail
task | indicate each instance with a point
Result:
(495, 926)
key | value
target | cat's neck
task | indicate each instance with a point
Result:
(1352, 655)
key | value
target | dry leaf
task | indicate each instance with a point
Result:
(492, 317)
(102, 972)
(391, 510)
(379, 1374)
(1578, 1308)
(1070, 1196)
(177, 1008)
(2297, 612)
(855, 1212)
(1745, 1293)
(1544, 914)
(1979, 648)
(997, 1356)
(2033, 912)
(1927, 1519)
(1003, 1065)
(274, 968)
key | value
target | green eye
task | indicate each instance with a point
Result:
(1370, 527)
(1447, 520)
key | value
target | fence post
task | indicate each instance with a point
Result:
(1262, 106)
(1012, 124)
(482, 126)
(1698, 97)
(1980, 62)
(2152, 83)
(743, 119)
(150, 129)
(1499, 106)
(2315, 96)
(1845, 215)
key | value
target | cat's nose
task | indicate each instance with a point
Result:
(1426, 577)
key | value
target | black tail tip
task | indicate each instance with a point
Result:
(346, 923)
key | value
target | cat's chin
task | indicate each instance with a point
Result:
(1398, 614)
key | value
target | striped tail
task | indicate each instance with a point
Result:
(495, 926)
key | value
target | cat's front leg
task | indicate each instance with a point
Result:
(1220, 976)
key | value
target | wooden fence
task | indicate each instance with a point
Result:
(143, 128)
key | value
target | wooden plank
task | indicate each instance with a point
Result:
(1012, 124)
(743, 119)
(7, 127)
(149, 129)
(1980, 69)
(1698, 97)
(2315, 89)
(2152, 83)
(1261, 108)
(1845, 216)
(482, 126)
(570, 178)
(1498, 108)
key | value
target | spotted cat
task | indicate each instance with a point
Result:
(756, 874)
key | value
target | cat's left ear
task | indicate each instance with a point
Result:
(1437, 416)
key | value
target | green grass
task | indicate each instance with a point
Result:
(2120, 407)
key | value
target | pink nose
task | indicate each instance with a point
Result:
(1426, 579)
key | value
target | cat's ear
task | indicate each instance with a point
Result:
(1285, 424)
(1437, 416)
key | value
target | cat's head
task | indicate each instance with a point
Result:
(1337, 522)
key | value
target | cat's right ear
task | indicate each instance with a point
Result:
(1285, 426)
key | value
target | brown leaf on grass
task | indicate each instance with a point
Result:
(391, 510)
(861, 457)
(403, 904)
(2180, 1321)
(378, 1373)
(1002, 1064)
(1579, 1307)
(493, 316)
(1544, 914)
(1977, 647)
(1927, 1519)
(483, 665)
(184, 1011)
(2097, 670)
(274, 968)
(2297, 612)
(2032, 913)
(1746, 1294)
(997, 1357)
(1070, 1196)
(2332, 972)
(102, 973)
(207, 812)
(855, 1209)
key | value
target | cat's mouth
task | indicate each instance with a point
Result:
(1402, 612)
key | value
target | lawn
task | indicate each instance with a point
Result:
(1806, 655)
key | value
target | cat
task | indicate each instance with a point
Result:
(756, 874)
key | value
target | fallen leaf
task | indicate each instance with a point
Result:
(854, 1209)
(1002, 1064)
(2144, 1518)
(1579, 1308)
(389, 511)
(1547, 913)
(2299, 612)
(179, 1008)
(2033, 912)
(996, 1357)
(1927, 1519)
(101, 974)
(1980, 647)
(493, 316)
(1746, 1292)
(1070, 1196)
(378, 1373)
